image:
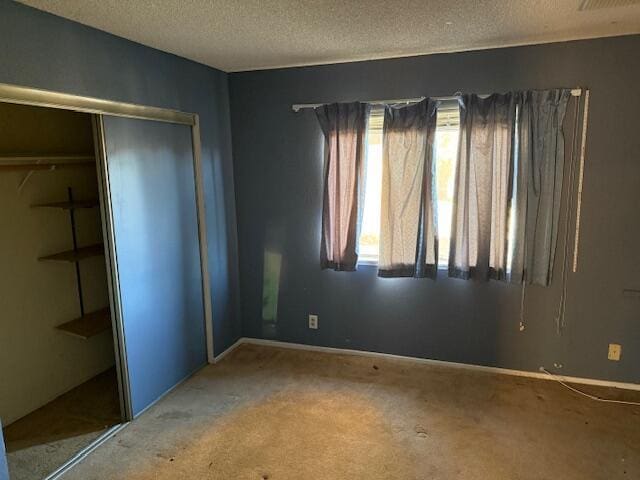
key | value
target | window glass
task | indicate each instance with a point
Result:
(370, 227)
(445, 152)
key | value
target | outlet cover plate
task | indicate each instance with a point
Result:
(615, 351)
(313, 322)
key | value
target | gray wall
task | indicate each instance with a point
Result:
(44, 51)
(278, 174)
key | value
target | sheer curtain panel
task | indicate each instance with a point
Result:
(479, 229)
(408, 236)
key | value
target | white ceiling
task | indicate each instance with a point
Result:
(236, 35)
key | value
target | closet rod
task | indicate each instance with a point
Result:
(4, 159)
(43, 162)
(18, 167)
(296, 107)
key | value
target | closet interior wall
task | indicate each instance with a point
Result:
(38, 362)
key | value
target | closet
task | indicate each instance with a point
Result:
(59, 388)
(105, 301)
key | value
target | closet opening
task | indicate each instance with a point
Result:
(61, 387)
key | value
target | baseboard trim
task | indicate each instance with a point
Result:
(169, 390)
(230, 349)
(427, 361)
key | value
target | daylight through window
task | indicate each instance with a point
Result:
(446, 147)
(369, 241)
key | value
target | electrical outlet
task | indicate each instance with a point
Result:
(313, 322)
(615, 350)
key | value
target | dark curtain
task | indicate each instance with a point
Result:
(408, 226)
(344, 128)
(537, 184)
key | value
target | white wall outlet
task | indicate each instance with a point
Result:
(615, 350)
(313, 322)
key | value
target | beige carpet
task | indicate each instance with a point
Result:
(266, 413)
(42, 441)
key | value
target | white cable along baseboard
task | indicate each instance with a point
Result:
(427, 361)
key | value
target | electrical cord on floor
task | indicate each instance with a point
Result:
(588, 395)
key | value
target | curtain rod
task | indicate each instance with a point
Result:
(296, 107)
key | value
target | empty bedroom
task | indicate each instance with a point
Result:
(277, 240)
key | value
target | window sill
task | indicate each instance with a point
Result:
(371, 262)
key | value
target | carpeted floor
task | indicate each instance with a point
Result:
(40, 442)
(269, 413)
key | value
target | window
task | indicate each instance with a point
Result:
(445, 153)
(446, 147)
(513, 210)
(369, 240)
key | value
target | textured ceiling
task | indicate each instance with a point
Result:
(236, 35)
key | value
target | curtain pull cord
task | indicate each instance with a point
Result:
(585, 117)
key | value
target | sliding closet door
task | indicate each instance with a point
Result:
(150, 176)
(4, 469)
